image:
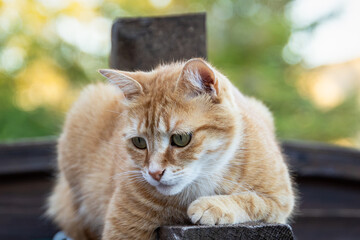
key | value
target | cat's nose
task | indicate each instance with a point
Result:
(157, 174)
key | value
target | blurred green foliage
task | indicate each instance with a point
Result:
(246, 39)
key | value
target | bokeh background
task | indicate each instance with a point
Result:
(301, 57)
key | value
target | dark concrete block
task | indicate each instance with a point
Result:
(143, 43)
(256, 231)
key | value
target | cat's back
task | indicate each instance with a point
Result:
(84, 156)
(93, 116)
(255, 111)
(84, 147)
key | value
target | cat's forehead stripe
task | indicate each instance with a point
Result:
(168, 124)
(162, 127)
(140, 124)
(172, 124)
(156, 115)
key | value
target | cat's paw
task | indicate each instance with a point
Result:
(210, 211)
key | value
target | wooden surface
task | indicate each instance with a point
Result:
(22, 205)
(322, 160)
(27, 157)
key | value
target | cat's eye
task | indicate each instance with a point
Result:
(139, 142)
(180, 140)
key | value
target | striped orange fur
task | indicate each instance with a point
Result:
(231, 171)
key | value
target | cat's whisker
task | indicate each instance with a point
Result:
(133, 181)
(120, 113)
(176, 176)
(128, 172)
(127, 175)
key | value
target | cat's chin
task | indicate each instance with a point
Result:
(169, 190)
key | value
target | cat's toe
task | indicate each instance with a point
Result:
(208, 212)
(195, 211)
(227, 218)
(211, 216)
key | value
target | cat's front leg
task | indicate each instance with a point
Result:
(126, 220)
(239, 208)
(119, 228)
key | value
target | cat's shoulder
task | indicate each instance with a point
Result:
(98, 93)
(254, 109)
(95, 97)
(259, 111)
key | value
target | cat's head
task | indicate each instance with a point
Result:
(181, 127)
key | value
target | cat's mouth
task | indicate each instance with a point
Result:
(165, 186)
(168, 189)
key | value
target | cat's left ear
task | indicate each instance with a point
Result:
(198, 77)
(125, 81)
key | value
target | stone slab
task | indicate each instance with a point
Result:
(142, 43)
(246, 231)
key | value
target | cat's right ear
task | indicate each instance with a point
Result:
(198, 77)
(129, 86)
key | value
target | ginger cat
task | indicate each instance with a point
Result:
(176, 145)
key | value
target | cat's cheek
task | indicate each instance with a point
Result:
(136, 156)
